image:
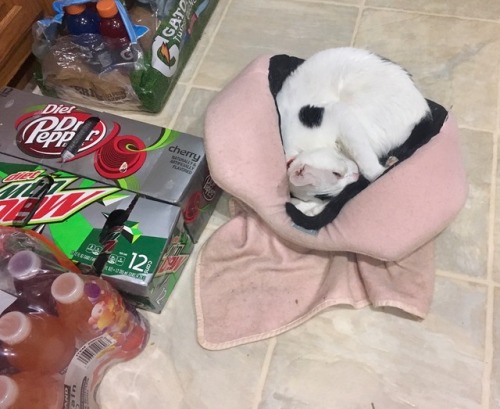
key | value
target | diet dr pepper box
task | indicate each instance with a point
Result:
(158, 163)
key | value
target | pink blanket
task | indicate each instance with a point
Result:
(259, 275)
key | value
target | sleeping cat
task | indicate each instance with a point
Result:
(342, 109)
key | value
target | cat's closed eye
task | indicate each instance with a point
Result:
(337, 174)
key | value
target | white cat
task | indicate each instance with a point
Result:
(340, 110)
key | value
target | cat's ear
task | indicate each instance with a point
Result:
(301, 176)
(311, 116)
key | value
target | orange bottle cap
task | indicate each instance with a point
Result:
(107, 8)
(75, 9)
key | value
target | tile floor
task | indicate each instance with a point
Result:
(347, 359)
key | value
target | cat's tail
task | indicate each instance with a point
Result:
(331, 210)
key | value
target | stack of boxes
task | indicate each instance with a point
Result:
(68, 172)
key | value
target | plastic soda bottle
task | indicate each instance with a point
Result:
(27, 390)
(111, 24)
(36, 341)
(32, 280)
(81, 20)
(89, 307)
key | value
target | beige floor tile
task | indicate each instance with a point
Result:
(495, 376)
(487, 9)
(353, 359)
(454, 61)
(496, 242)
(192, 115)
(253, 28)
(463, 247)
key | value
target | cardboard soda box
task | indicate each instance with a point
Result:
(155, 162)
(148, 252)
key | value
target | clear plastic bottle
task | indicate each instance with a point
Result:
(27, 390)
(90, 307)
(81, 19)
(111, 24)
(37, 342)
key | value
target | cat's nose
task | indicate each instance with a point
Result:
(355, 176)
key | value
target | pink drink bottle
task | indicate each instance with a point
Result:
(90, 307)
(36, 341)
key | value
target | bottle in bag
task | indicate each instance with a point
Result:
(90, 307)
(36, 342)
(29, 390)
(32, 280)
(81, 19)
(111, 24)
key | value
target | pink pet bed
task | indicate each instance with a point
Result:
(259, 275)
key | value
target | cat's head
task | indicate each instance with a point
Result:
(320, 172)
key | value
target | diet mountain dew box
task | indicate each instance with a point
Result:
(143, 257)
(157, 163)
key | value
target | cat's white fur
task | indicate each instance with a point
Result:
(370, 107)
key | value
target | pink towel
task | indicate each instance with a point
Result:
(259, 276)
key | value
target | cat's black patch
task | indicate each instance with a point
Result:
(311, 116)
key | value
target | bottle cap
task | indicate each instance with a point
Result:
(67, 288)
(9, 391)
(24, 264)
(107, 8)
(75, 9)
(14, 327)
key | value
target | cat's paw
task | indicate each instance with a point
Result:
(391, 161)
(309, 208)
(373, 172)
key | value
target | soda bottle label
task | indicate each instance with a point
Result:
(79, 380)
(93, 358)
(6, 300)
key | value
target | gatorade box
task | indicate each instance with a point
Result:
(157, 163)
(143, 256)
